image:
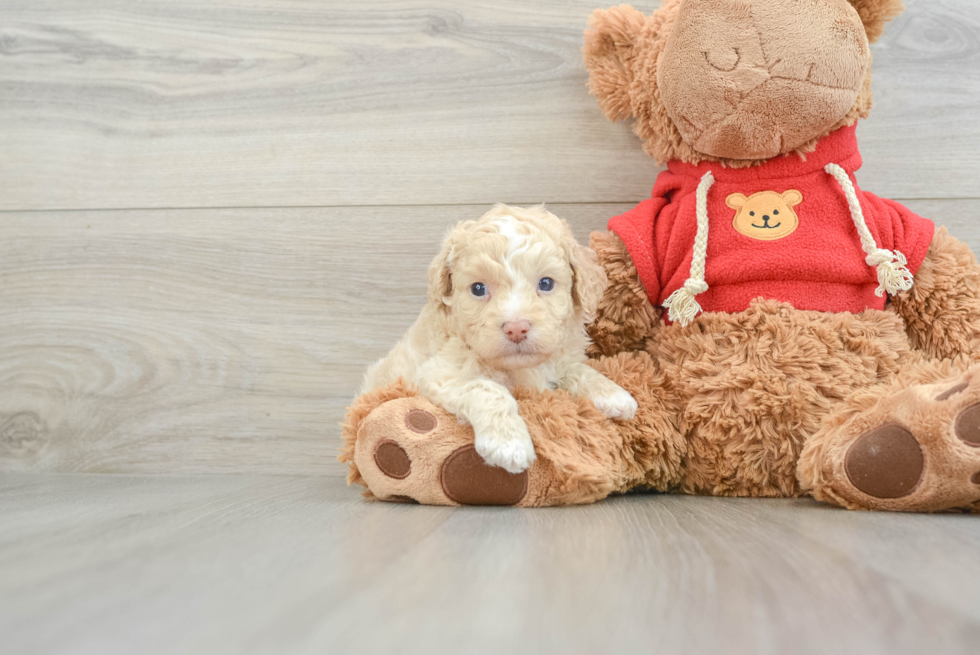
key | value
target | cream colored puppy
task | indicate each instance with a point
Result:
(509, 297)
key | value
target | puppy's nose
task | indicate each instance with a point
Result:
(516, 331)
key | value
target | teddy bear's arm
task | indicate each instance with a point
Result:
(942, 310)
(625, 317)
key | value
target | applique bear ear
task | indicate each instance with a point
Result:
(736, 200)
(610, 46)
(792, 197)
(875, 13)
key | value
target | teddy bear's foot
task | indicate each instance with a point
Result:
(404, 448)
(917, 449)
(410, 450)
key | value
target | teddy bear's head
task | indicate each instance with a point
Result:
(736, 81)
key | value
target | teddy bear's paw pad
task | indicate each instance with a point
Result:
(392, 460)
(968, 426)
(952, 391)
(401, 447)
(420, 421)
(468, 480)
(916, 450)
(886, 462)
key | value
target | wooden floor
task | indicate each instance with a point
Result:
(266, 564)
(214, 215)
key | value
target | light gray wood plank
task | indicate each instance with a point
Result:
(229, 564)
(122, 103)
(217, 340)
(198, 341)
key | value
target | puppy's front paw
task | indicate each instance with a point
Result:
(619, 405)
(507, 446)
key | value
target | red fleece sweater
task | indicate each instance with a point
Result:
(820, 265)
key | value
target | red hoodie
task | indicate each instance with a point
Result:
(782, 230)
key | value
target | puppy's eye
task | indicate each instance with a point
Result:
(546, 284)
(479, 289)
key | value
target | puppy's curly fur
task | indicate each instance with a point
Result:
(512, 267)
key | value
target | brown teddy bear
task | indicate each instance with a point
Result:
(783, 331)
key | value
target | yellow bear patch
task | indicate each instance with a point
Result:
(766, 215)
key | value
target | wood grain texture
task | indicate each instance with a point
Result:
(178, 103)
(204, 340)
(231, 564)
(189, 341)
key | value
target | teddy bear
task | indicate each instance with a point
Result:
(784, 332)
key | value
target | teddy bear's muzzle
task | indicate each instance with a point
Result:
(743, 79)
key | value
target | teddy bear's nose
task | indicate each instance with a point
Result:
(766, 217)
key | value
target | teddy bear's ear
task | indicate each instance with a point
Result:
(875, 13)
(610, 44)
(792, 197)
(736, 200)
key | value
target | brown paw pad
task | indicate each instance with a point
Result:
(468, 480)
(886, 462)
(968, 425)
(421, 421)
(392, 460)
(952, 391)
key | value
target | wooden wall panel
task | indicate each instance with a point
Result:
(179, 103)
(166, 341)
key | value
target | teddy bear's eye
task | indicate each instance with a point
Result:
(751, 213)
(479, 289)
(775, 212)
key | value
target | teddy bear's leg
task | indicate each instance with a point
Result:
(625, 317)
(912, 445)
(404, 448)
(942, 309)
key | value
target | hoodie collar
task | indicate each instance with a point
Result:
(839, 147)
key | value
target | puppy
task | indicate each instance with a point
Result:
(509, 297)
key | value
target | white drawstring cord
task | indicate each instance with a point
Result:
(682, 307)
(893, 276)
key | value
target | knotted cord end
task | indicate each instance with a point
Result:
(893, 274)
(682, 306)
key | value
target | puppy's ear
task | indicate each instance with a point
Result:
(590, 281)
(875, 13)
(440, 272)
(610, 45)
(588, 277)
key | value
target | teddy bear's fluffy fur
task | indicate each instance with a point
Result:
(771, 401)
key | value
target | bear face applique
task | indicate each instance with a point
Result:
(766, 215)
